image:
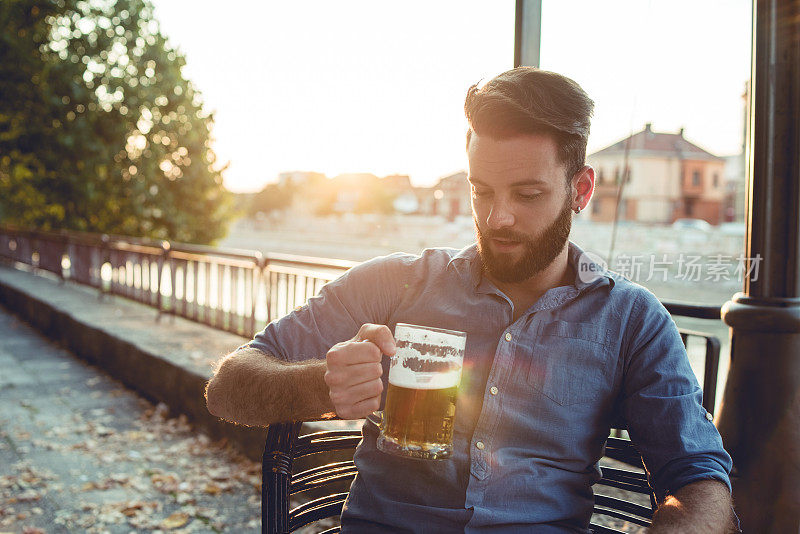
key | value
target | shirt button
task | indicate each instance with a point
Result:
(493, 390)
(480, 445)
(508, 336)
(709, 416)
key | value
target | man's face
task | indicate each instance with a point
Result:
(520, 203)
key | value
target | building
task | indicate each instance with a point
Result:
(450, 197)
(735, 180)
(299, 178)
(734, 188)
(663, 176)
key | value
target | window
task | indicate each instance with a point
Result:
(696, 178)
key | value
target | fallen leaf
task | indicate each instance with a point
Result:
(131, 510)
(178, 519)
(213, 489)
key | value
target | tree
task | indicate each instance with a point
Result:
(99, 130)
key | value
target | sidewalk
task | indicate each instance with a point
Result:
(80, 453)
(167, 361)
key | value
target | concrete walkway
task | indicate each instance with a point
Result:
(81, 453)
(165, 361)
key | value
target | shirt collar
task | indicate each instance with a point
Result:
(467, 262)
(590, 269)
(589, 272)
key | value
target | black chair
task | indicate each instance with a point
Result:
(281, 480)
(284, 473)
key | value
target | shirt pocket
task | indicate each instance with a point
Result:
(571, 364)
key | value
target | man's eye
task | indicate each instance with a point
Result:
(480, 192)
(528, 196)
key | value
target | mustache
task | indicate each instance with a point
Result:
(504, 234)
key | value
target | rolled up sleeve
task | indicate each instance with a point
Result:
(663, 405)
(364, 294)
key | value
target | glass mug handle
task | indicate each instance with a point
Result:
(376, 417)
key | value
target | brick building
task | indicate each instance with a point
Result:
(450, 197)
(664, 177)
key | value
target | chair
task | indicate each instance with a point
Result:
(285, 446)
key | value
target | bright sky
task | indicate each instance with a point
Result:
(365, 86)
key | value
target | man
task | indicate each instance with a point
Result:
(553, 357)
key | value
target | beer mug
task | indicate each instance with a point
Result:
(421, 398)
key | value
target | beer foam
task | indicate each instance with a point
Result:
(427, 358)
(406, 378)
(416, 334)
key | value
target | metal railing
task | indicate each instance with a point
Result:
(238, 291)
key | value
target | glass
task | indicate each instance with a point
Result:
(421, 398)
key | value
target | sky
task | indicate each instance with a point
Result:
(377, 86)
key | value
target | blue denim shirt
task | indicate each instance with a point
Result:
(537, 397)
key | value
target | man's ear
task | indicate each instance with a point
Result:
(582, 187)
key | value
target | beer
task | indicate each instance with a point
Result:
(418, 419)
(421, 397)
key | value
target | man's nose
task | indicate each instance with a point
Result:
(500, 215)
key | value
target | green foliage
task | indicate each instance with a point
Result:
(99, 130)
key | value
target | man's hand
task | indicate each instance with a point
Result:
(354, 371)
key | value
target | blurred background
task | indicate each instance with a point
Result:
(336, 129)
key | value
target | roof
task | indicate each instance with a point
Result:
(648, 142)
(456, 178)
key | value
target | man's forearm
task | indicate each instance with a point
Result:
(702, 507)
(254, 388)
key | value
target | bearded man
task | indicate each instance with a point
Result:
(552, 359)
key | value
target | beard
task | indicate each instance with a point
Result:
(537, 252)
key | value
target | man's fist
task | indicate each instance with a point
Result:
(354, 371)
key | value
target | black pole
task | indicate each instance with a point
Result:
(760, 414)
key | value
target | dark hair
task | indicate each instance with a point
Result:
(527, 100)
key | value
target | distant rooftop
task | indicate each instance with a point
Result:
(648, 142)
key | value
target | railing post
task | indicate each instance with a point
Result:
(267, 288)
(105, 257)
(258, 270)
(34, 257)
(64, 239)
(165, 248)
